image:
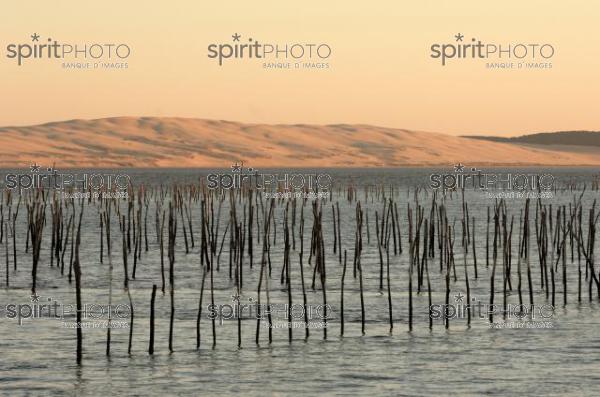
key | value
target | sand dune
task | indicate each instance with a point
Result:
(181, 142)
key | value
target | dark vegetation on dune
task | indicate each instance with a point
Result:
(580, 138)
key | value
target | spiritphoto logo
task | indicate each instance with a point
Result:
(272, 55)
(477, 309)
(251, 178)
(71, 184)
(300, 316)
(521, 55)
(477, 179)
(48, 308)
(95, 55)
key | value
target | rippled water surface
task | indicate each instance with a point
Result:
(561, 356)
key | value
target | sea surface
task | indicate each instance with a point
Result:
(554, 351)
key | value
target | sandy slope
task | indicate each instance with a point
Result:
(181, 142)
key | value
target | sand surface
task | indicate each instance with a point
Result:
(184, 142)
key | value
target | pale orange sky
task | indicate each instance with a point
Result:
(380, 70)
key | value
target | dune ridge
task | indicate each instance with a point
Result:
(188, 142)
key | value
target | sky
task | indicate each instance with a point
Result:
(380, 70)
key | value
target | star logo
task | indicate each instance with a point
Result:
(459, 167)
(458, 297)
(236, 167)
(235, 298)
(459, 37)
(35, 297)
(34, 167)
(35, 37)
(236, 37)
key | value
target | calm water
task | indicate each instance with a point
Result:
(562, 358)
